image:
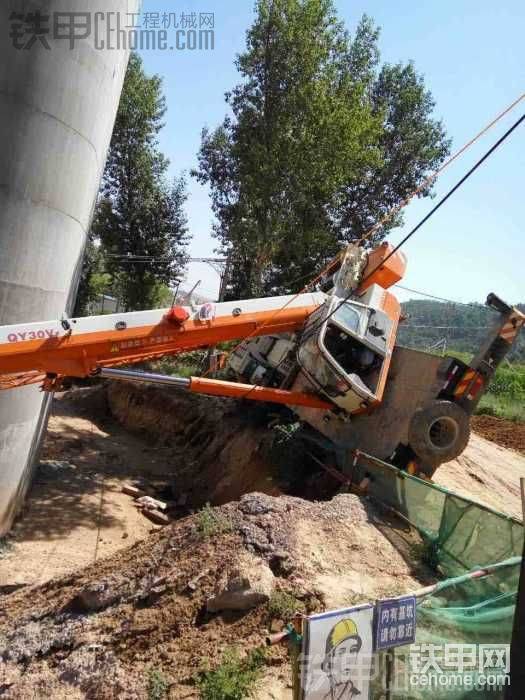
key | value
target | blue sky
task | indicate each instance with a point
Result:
(472, 56)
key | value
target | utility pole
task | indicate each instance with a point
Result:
(225, 278)
(439, 345)
(221, 265)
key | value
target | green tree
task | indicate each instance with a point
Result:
(92, 280)
(321, 141)
(139, 213)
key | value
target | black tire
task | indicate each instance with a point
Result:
(439, 432)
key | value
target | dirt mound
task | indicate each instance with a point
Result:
(503, 432)
(102, 631)
(99, 633)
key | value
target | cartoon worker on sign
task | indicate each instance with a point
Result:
(343, 645)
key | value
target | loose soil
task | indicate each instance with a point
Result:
(79, 530)
(486, 473)
(327, 554)
(503, 432)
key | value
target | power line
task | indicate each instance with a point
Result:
(472, 305)
(463, 328)
(425, 218)
(426, 183)
(416, 228)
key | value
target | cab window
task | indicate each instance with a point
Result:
(350, 354)
(348, 317)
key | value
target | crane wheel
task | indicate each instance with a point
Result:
(439, 432)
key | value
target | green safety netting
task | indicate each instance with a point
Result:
(458, 537)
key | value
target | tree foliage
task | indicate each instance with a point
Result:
(320, 142)
(93, 280)
(138, 213)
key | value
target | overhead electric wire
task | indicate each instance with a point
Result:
(430, 179)
(442, 328)
(416, 228)
(472, 304)
(411, 233)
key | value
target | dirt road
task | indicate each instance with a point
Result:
(487, 473)
(76, 512)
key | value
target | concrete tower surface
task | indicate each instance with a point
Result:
(57, 109)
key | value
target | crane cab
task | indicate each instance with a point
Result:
(347, 355)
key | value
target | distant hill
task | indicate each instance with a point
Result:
(455, 327)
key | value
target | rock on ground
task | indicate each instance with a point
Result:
(250, 584)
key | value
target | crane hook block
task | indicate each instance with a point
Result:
(177, 315)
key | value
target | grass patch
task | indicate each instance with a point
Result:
(509, 383)
(505, 396)
(502, 407)
(211, 523)
(5, 546)
(235, 678)
(157, 684)
(186, 364)
(284, 605)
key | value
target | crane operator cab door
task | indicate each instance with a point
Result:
(346, 348)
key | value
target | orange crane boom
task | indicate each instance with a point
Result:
(50, 351)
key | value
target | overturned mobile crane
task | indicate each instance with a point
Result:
(330, 355)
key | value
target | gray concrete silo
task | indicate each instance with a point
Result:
(57, 110)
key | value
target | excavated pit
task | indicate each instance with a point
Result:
(216, 449)
(220, 448)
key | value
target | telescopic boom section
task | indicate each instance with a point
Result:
(81, 347)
